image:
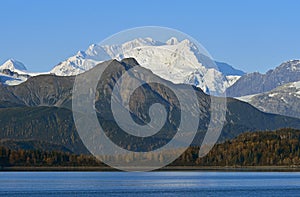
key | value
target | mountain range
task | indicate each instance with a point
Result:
(254, 83)
(35, 108)
(173, 60)
(277, 91)
(39, 111)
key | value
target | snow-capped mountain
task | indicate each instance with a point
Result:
(284, 100)
(13, 65)
(13, 72)
(85, 60)
(174, 60)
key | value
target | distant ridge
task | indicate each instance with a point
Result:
(254, 83)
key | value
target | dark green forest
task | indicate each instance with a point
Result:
(264, 148)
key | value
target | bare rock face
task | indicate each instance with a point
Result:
(254, 83)
(284, 100)
(42, 90)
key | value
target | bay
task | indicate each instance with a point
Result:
(149, 183)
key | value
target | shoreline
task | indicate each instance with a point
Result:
(168, 168)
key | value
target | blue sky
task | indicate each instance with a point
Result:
(253, 35)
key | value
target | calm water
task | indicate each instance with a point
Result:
(149, 184)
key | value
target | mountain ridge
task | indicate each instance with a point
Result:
(13, 65)
(173, 60)
(254, 83)
(284, 100)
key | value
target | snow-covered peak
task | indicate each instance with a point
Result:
(291, 65)
(172, 41)
(92, 50)
(142, 42)
(294, 61)
(174, 60)
(81, 54)
(138, 42)
(186, 42)
(96, 53)
(13, 65)
(13, 72)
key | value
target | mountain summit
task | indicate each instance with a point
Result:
(13, 72)
(13, 65)
(174, 60)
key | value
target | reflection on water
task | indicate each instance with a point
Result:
(149, 183)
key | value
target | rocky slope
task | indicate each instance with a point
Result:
(284, 100)
(254, 83)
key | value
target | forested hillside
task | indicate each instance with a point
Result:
(265, 148)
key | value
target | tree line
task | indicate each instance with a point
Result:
(38, 158)
(265, 148)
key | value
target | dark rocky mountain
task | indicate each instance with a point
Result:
(39, 111)
(33, 145)
(42, 90)
(254, 83)
(32, 126)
